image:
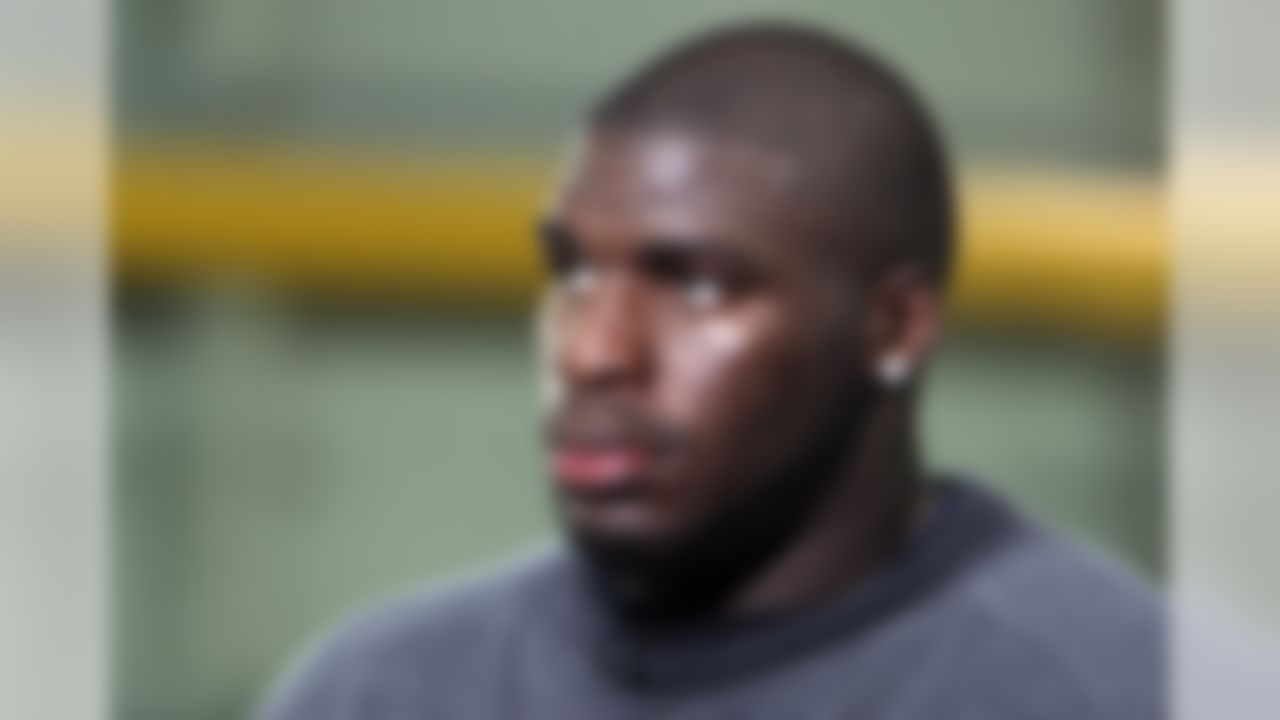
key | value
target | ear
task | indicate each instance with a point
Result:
(904, 324)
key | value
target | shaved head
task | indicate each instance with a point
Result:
(753, 226)
(858, 135)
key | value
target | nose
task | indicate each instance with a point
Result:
(605, 338)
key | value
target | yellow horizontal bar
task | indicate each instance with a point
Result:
(1079, 252)
(1076, 252)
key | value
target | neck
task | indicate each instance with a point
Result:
(864, 518)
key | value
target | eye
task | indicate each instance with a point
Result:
(580, 279)
(704, 292)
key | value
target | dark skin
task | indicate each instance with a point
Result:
(710, 347)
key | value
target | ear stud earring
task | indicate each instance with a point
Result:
(893, 371)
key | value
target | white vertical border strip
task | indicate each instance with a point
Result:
(54, 558)
(1224, 441)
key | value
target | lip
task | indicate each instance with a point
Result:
(595, 468)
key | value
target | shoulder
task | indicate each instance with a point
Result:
(1064, 626)
(428, 634)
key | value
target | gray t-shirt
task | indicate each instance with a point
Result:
(983, 616)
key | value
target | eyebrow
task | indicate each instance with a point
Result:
(709, 251)
(561, 245)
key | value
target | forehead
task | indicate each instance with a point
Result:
(673, 183)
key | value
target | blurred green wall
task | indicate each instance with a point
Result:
(1052, 80)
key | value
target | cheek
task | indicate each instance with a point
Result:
(719, 375)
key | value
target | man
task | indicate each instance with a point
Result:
(748, 255)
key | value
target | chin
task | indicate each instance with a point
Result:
(624, 536)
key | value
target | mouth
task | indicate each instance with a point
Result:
(600, 450)
(593, 468)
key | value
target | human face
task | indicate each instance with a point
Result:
(698, 337)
